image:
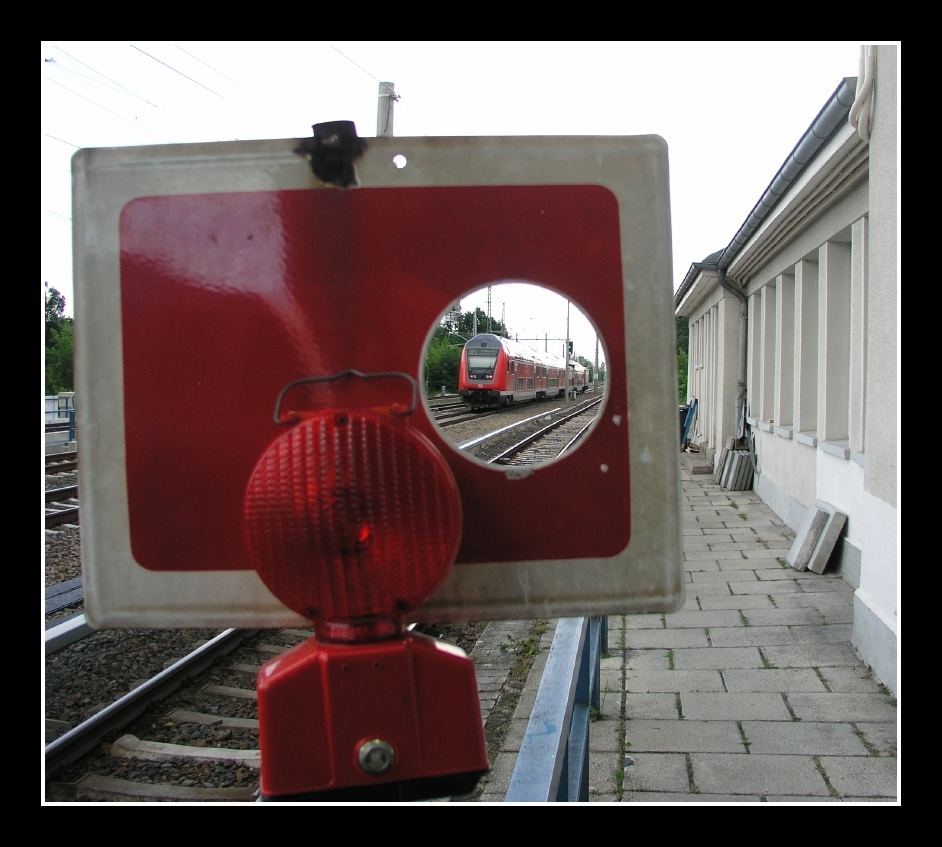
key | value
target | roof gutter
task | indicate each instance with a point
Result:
(822, 128)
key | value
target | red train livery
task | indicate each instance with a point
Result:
(497, 372)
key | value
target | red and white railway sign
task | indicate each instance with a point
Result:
(210, 276)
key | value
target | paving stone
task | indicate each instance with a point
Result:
(785, 617)
(644, 682)
(605, 735)
(699, 619)
(667, 638)
(857, 680)
(710, 602)
(610, 704)
(862, 777)
(656, 772)
(516, 730)
(763, 557)
(638, 660)
(742, 545)
(719, 555)
(870, 708)
(771, 681)
(736, 567)
(691, 604)
(703, 589)
(651, 707)
(654, 797)
(757, 775)
(751, 636)
(779, 575)
(763, 586)
(812, 656)
(812, 583)
(882, 737)
(838, 614)
(803, 738)
(700, 577)
(497, 781)
(610, 678)
(717, 658)
(712, 523)
(684, 736)
(633, 622)
(828, 634)
(704, 566)
(823, 601)
(742, 706)
(770, 542)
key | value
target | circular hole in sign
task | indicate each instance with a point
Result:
(496, 370)
(400, 161)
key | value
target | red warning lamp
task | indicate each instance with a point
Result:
(353, 520)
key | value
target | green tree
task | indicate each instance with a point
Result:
(58, 345)
(589, 366)
(466, 324)
(441, 365)
(683, 333)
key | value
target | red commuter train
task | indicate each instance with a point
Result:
(496, 371)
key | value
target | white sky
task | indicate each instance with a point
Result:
(730, 112)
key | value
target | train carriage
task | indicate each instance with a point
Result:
(497, 371)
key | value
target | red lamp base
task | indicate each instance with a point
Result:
(382, 721)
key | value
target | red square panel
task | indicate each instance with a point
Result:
(227, 298)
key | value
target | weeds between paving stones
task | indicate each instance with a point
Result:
(498, 721)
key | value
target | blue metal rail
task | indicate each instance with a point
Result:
(553, 763)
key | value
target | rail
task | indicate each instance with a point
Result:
(553, 763)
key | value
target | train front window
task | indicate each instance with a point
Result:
(482, 360)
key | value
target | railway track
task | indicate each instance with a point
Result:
(62, 462)
(189, 734)
(62, 506)
(552, 440)
(536, 439)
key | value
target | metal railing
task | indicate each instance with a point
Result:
(553, 763)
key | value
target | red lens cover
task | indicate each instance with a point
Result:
(352, 515)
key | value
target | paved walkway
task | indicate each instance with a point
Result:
(750, 693)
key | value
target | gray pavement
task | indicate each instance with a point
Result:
(752, 692)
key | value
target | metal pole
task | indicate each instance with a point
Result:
(566, 353)
(384, 109)
(596, 372)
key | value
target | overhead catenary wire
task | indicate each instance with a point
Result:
(103, 76)
(62, 141)
(119, 90)
(110, 112)
(176, 71)
(198, 59)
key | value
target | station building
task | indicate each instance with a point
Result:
(794, 343)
